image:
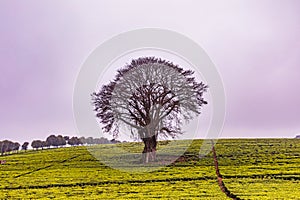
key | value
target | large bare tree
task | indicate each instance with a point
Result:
(152, 98)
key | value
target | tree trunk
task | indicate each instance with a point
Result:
(149, 152)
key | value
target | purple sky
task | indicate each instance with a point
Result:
(255, 45)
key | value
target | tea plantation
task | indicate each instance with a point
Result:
(251, 169)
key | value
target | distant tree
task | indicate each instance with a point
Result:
(11, 146)
(83, 140)
(74, 141)
(2, 147)
(66, 138)
(16, 146)
(6, 146)
(104, 141)
(151, 97)
(79, 142)
(70, 142)
(44, 144)
(36, 144)
(52, 140)
(90, 140)
(61, 140)
(25, 146)
(98, 141)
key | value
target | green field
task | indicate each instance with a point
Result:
(251, 169)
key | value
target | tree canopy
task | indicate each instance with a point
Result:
(8, 146)
(152, 98)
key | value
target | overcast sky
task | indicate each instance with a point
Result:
(254, 44)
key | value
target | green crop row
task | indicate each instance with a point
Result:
(251, 169)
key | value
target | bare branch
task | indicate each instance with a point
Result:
(149, 95)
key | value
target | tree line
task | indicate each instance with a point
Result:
(7, 146)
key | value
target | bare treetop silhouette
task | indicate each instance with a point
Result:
(152, 98)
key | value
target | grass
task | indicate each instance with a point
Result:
(251, 169)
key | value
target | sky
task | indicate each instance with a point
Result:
(254, 44)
